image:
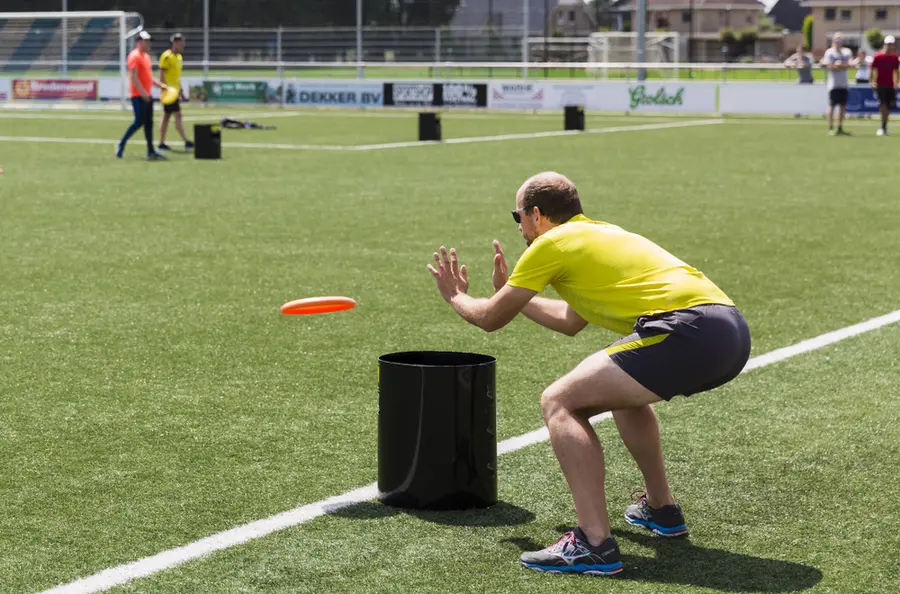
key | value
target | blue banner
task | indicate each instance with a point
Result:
(864, 100)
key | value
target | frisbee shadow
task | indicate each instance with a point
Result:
(679, 561)
(499, 514)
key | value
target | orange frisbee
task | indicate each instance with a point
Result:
(317, 305)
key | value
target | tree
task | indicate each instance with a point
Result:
(747, 39)
(808, 32)
(728, 39)
(875, 37)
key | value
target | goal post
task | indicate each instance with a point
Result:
(68, 45)
(621, 47)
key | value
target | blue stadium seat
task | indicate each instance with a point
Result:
(91, 38)
(39, 35)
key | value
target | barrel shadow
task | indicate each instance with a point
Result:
(679, 561)
(500, 514)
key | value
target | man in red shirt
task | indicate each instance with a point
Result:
(885, 76)
(140, 77)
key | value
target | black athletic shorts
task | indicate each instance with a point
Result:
(686, 351)
(887, 96)
(838, 96)
(172, 107)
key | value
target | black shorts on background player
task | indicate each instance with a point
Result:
(887, 96)
(172, 107)
(838, 96)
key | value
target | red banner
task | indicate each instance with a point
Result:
(54, 89)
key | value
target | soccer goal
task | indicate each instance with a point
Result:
(51, 55)
(619, 47)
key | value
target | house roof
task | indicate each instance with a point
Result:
(630, 5)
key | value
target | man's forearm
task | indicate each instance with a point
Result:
(471, 309)
(552, 314)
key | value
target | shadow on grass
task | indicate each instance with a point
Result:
(678, 561)
(500, 514)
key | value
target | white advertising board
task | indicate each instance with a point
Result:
(604, 96)
(772, 98)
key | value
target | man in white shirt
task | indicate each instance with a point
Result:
(837, 60)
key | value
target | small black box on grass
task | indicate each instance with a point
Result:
(207, 141)
(429, 126)
(574, 117)
(437, 430)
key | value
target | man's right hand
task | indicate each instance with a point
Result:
(147, 98)
(500, 274)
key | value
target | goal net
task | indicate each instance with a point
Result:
(61, 55)
(622, 48)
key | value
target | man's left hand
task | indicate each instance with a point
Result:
(451, 278)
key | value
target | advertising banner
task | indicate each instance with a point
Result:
(348, 94)
(236, 91)
(772, 97)
(4, 89)
(516, 95)
(462, 94)
(410, 94)
(45, 88)
(453, 94)
(864, 100)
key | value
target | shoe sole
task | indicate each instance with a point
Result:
(672, 532)
(613, 569)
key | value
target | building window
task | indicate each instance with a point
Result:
(749, 20)
(829, 14)
(846, 14)
(571, 16)
(881, 14)
(686, 16)
(662, 23)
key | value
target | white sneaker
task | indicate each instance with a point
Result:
(881, 132)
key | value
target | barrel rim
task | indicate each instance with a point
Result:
(479, 359)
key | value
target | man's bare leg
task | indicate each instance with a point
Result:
(639, 430)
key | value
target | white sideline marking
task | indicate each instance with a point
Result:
(122, 574)
(391, 145)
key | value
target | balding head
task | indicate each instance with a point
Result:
(553, 194)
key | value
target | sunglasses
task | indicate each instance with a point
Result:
(517, 217)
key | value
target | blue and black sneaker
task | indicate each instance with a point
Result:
(574, 554)
(665, 521)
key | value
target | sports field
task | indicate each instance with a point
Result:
(152, 395)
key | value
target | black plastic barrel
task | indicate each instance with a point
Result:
(437, 439)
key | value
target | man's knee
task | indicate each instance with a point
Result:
(552, 401)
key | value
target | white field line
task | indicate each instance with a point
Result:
(364, 114)
(115, 576)
(391, 145)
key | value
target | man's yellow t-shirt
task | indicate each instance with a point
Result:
(609, 276)
(170, 65)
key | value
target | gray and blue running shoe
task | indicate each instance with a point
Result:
(665, 521)
(574, 554)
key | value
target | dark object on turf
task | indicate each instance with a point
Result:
(208, 141)
(429, 126)
(233, 124)
(574, 118)
(665, 521)
(437, 438)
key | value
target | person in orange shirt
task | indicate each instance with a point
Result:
(140, 78)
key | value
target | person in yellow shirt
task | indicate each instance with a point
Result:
(170, 64)
(682, 336)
